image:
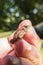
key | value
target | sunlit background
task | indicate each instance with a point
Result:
(12, 12)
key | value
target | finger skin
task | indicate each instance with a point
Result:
(31, 54)
(25, 22)
(10, 38)
(32, 38)
(25, 61)
(16, 61)
(31, 35)
(4, 47)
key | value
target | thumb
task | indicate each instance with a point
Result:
(22, 46)
(25, 50)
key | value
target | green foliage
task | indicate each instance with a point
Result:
(12, 12)
(5, 34)
(32, 8)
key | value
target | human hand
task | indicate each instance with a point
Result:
(26, 50)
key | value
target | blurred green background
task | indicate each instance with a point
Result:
(12, 12)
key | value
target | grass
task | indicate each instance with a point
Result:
(6, 34)
(42, 50)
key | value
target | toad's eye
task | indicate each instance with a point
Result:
(13, 40)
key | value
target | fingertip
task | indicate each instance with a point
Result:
(22, 46)
(25, 22)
